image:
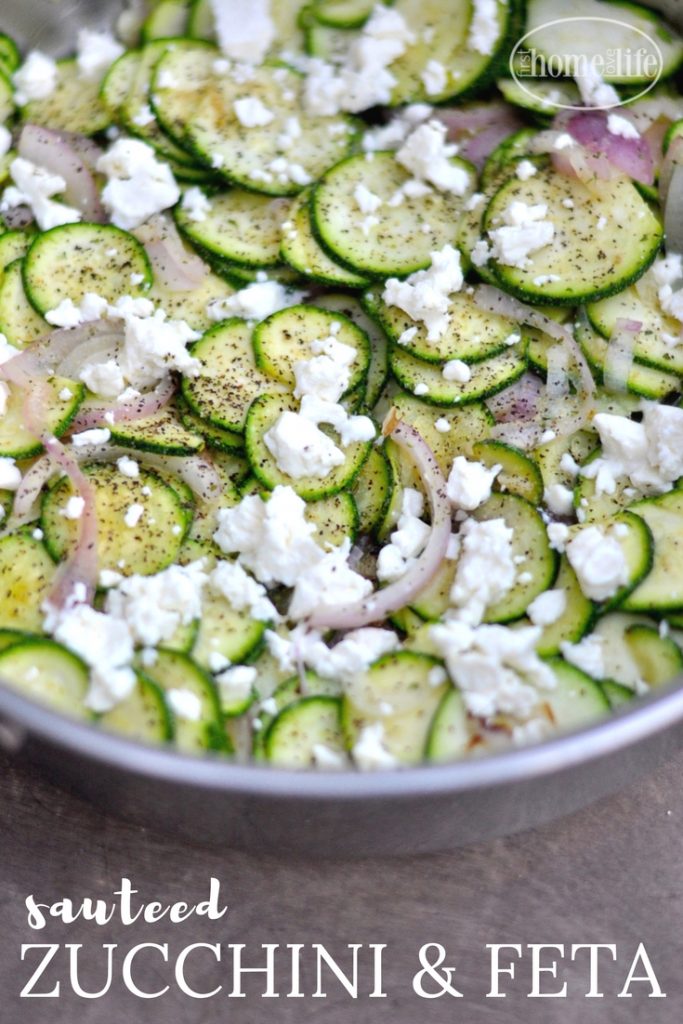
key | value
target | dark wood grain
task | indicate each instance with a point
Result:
(613, 873)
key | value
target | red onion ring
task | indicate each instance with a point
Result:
(197, 471)
(137, 408)
(175, 266)
(479, 128)
(397, 595)
(619, 355)
(631, 156)
(51, 150)
(26, 504)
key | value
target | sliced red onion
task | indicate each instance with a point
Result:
(557, 377)
(400, 594)
(495, 301)
(175, 266)
(94, 414)
(479, 128)
(518, 403)
(619, 356)
(79, 570)
(631, 156)
(654, 136)
(51, 150)
(26, 504)
(524, 435)
(197, 471)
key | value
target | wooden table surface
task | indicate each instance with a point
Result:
(610, 874)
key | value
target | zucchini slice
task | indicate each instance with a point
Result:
(300, 727)
(576, 700)
(62, 399)
(427, 381)
(642, 380)
(379, 350)
(143, 716)
(398, 691)
(263, 414)
(168, 18)
(229, 379)
(302, 251)
(171, 671)
(518, 475)
(372, 490)
(19, 321)
(640, 304)
(242, 227)
(163, 433)
(662, 589)
(397, 244)
(146, 547)
(26, 575)
(577, 618)
(449, 736)
(222, 630)
(285, 338)
(69, 261)
(582, 262)
(73, 106)
(13, 246)
(48, 673)
(659, 658)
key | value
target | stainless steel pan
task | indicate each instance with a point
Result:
(341, 815)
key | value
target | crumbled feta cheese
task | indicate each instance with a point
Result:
(252, 113)
(347, 659)
(442, 425)
(155, 607)
(65, 394)
(588, 655)
(668, 272)
(236, 684)
(36, 79)
(195, 204)
(427, 156)
(329, 583)
(255, 302)
(327, 759)
(300, 448)
(569, 465)
(558, 535)
(481, 253)
(650, 453)
(144, 116)
(486, 569)
(594, 91)
(457, 370)
(565, 141)
(242, 591)
(425, 295)
(98, 435)
(407, 541)
(548, 607)
(10, 474)
(484, 27)
(469, 483)
(434, 77)
(68, 314)
(105, 644)
(524, 232)
(351, 429)
(139, 185)
(559, 499)
(104, 379)
(525, 170)
(599, 562)
(73, 508)
(495, 668)
(34, 187)
(369, 751)
(128, 467)
(184, 704)
(366, 200)
(364, 80)
(5, 140)
(245, 32)
(397, 130)
(328, 374)
(153, 346)
(133, 515)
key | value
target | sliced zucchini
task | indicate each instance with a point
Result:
(26, 575)
(10, 57)
(146, 547)
(191, 306)
(163, 433)
(634, 303)
(427, 380)
(581, 263)
(222, 630)
(576, 619)
(448, 432)
(593, 507)
(335, 519)
(530, 540)
(199, 110)
(342, 13)
(397, 244)
(263, 414)
(659, 658)
(167, 18)
(576, 700)
(514, 147)
(519, 473)
(13, 246)
(642, 380)
(73, 106)
(58, 409)
(285, 338)
(662, 589)
(69, 261)
(372, 490)
(242, 227)
(48, 673)
(229, 379)
(301, 727)
(616, 694)
(215, 437)
(118, 82)
(399, 691)
(19, 321)
(449, 736)
(143, 716)
(542, 96)
(173, 671)
(471, 335)
(302, 251)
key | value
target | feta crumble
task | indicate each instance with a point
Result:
(469, 483)
(245, 31)
(255, 302)
(649, 453)
(598, 559)
(425, 295)
(486, 569)
(251, 112)
(434, 77)
(139, 184)
(406, 542)
(184, 704)
(484, 28)
(36, 79)
(427, 156)
(10, 474)
(524, 232)
(587, 655)
(155, 607)
(621, 126)
(35, 187)
(547, 608)
(457, 370)
(369, 751)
